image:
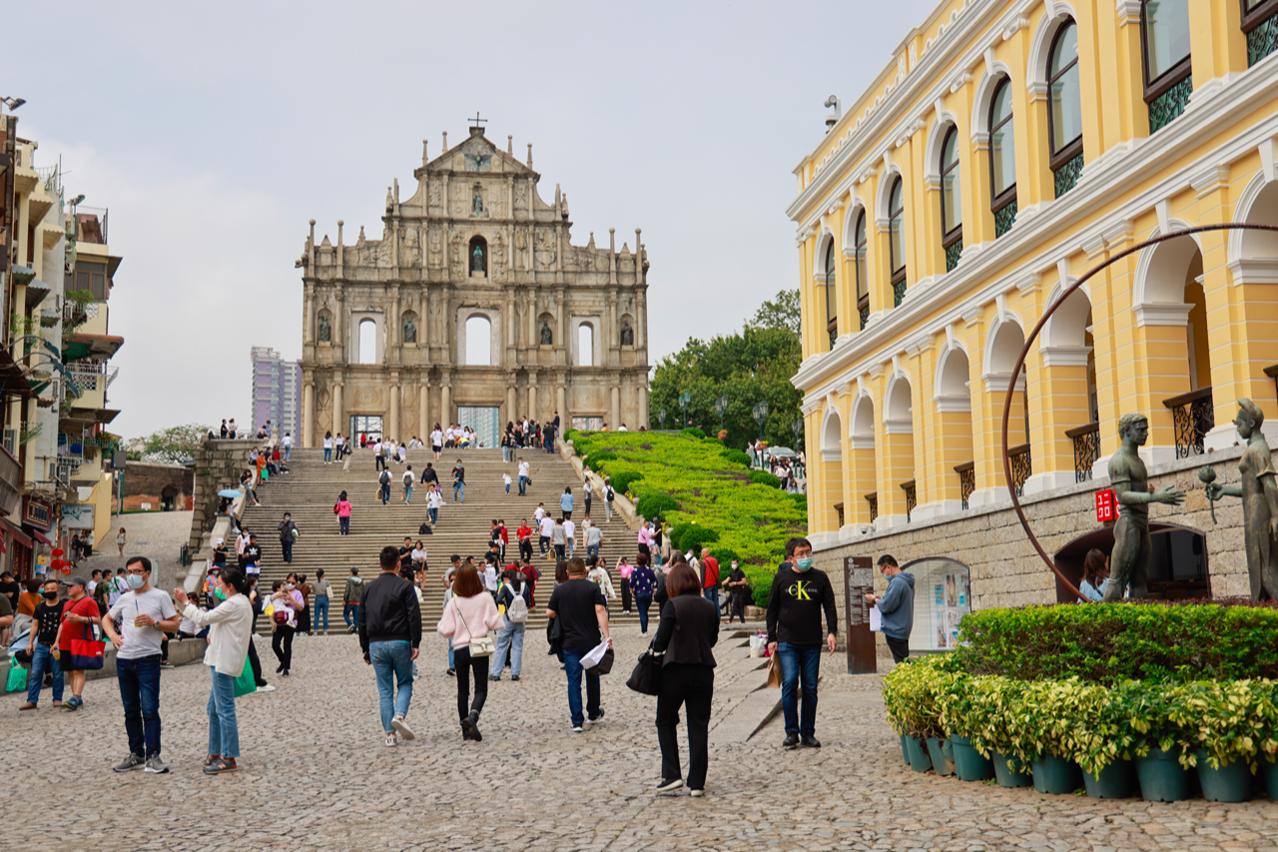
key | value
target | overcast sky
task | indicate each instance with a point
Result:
(213, 132)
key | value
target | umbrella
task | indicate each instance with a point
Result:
(781, 452)
(229, 492)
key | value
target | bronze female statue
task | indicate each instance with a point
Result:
(1259, 493)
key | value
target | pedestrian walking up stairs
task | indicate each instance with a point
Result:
(311, 488)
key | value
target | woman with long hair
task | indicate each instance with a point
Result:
(286, 602)
(1095, 577)
(230, 623)
(328, 447)
(342, 508)
(469, 615)
(688, 629)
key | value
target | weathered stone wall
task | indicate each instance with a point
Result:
(218, 465)
(144, 482)
(1006, 570)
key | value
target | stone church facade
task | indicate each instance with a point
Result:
(474, 251)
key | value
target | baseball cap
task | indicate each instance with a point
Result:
(220, 542)
(77, 581)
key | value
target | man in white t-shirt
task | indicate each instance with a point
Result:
(540, 513)
(408, 485)
(545, 530)
(286, 445)
(377, 455)
(570, 535)
(523, 477)
(146, 614)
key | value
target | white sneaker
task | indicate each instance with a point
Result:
(576, 729)
(266, 688)
(391, 739)
(401, 726)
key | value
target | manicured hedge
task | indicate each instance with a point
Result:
(693, 432)
(764, 478)
(714, 491)
(1110, 643)
(653, 506)
(692, 537)
(622, 481)
(737, 456)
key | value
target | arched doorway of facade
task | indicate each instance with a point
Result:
(942, 596)
(168, 499)
(1177, 566)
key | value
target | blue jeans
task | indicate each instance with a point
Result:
(450, 654)
(41, 661)
(224, 733)
(392, 660)
(287, 449)
(643, 604)
(350, 614)
(592, 550)
(434, 516)
(507, 487)
(799, 661)
(321, 612)
(408, 493)
(385, 489)
(140, 694)
(510, 637)
(459, 488)
(328, 455)
(286, 545)
(344, 525)
(523, 484)
(712, 595)
(572, 665)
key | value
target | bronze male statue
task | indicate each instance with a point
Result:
(1129, 563)
(1259, 493)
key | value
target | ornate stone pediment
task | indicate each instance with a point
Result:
(477, 156)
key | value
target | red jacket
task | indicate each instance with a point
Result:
(710, 570)
(523, 532)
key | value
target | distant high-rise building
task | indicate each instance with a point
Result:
(276, 391)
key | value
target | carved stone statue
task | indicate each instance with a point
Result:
(1259, 493)
(477, 259)
(410, 330)
(627, 333)
(477, 204)
(547, 336)
(1129, 563)
(325, 330)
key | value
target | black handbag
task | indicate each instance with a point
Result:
(646, 677)
(605, 665)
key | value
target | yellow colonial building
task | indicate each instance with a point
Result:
(1009, 148)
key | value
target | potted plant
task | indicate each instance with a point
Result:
(962, 715)
(1041, 727)
(1101, 744)
(1158, 745)
(1226, 726)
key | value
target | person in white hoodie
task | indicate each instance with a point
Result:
(230, 624)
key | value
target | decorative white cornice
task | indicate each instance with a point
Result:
(1128, 12)
(1156, 313)
(1260, 270)
(1065, 356)
(953, 403)
(1210, 179)
(899, 426)
(998, 382)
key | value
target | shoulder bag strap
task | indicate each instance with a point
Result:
(469, 635)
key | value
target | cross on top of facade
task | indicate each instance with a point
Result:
(477, 122)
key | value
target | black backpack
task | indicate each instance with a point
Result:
(424, 529)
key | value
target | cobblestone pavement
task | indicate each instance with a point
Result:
(315, 775)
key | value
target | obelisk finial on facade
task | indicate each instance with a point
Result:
(445, 141)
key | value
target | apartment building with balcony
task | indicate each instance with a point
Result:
(277, 392)
(1009, 148)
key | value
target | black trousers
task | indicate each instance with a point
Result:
(625, 595)
(737, 607)
(466, 666)
(282, 644)
(900, 648)
(525, 549)
(693, 686)
(255, 662)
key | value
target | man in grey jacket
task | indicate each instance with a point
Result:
(896, 607)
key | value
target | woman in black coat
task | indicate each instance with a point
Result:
(688, 629)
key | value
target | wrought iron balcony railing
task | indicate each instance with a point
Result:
(967, 480)
(1086, 449)
(1193, 416)
(911, 499)
(1021, 467)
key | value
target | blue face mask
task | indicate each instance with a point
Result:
(135, 581)
(803, 564)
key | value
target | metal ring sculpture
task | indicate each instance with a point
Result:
(1020, 363)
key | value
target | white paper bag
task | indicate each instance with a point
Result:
(876, 620)
(595, 655)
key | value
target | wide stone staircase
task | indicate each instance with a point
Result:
(311, 488)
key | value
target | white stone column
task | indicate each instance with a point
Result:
(339, 421)
(308, 410)
(394, 407)
(423, 423)
(614, 410)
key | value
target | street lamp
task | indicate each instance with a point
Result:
(722, 404)
(760, 415)
(662, 415)
(684, 399)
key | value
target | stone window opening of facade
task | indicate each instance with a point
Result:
(896, 239)
(951, 200)
(585, 345)
(1002, 158)
(479, 330)
(367, 341)
(862, 279)
(1065, 111)
(831, 295)
(1165, 59)
(477, 256)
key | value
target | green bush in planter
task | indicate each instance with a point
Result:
(598, 459)
(762, 477)
(655, 505)
(693, 432)
(1233, 720)
(737, 456)
(911, 692)
(571, 435)
(622, 481)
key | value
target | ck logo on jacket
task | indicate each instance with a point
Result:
(800, 590)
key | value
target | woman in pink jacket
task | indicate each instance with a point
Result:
(343, 511)
(469, 615)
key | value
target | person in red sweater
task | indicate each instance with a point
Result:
(79, 614)
(710, 578)
(524, 534)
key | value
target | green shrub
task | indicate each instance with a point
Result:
(693, 431)
(737, 456)
(760, 578)
(571, 435)
(762, 477)
(622, 481)
(696, 538)
(1110, 643)
(800, 500)
(597, 458)
(656, 505)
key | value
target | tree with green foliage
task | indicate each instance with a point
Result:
(753, 365)
(175, 445)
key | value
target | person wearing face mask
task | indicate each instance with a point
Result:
(287, 602)
(738, 593)
(42, 646)
(896, 607)
(799, 593)
(146, 614)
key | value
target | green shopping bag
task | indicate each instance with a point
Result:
(17, 678)
(245, 683)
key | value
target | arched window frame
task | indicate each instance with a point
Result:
(862, 273)
(1259, 25)
(831, 295)
(999, 200)
(1161, 84)
(896, 224)
(1073, 147)
(951, 232)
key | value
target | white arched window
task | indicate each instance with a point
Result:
(1065, 110)
(862, 279)
(1164, 40)
(896, 239)
(1002, 158)
(831, 295)
(479, 331)
(585, 345)
(951, 200)
(367, 342)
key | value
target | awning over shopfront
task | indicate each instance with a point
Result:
(39, 536)
(77, 346)
(16, 532)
